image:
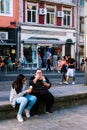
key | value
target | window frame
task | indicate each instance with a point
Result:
(81, 24)
(10, 6)
(70, 10)
(81, 2)
(53, 7)
(31, 4)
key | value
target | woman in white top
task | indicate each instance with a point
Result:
(20, 95)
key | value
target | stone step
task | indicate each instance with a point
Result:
(66, 96)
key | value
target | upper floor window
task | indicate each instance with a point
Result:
(31, 13)
(5, 7)
(50, 17)
(67, 18)
(74, 1)
(82, 2)
(81, 25)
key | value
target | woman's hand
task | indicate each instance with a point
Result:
(47, 85)
(29, 90)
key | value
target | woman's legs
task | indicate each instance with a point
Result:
(31, 101)
(49, 100)
(36, 105)
(23, 102)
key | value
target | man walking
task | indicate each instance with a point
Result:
(71, 70)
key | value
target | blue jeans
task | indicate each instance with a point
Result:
(26, 101)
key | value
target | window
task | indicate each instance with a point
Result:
(82, 2)
(67, 18)
(50, 17)
(74, 1)
(5, 7)
(81, 25)
(31, 13)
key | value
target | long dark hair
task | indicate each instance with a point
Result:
(17, 83)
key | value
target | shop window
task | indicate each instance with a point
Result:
(32, 13)
(6, 52)
(28, 53)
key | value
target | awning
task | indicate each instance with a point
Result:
(37, 40)
(69, 41)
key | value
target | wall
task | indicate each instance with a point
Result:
(5, 20)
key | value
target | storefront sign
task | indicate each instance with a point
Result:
(51, 33)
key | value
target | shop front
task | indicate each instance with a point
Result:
(35, 51)
(8, 50)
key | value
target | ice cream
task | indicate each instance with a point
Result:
(31, 87)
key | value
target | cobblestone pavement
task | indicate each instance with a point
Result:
(66, 119)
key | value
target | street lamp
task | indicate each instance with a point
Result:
(85, 40)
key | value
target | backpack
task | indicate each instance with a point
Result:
(64, 68)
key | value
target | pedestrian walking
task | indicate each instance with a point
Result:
(70, 70)
(20, 95)
(62, 66)
(41, 84)
(83, 64)
(48, 65)
(48, 61)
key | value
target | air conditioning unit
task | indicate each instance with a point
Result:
(42, 11)
(3, 35)
(60, 14)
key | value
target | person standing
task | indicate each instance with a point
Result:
(20, 95)
(9, 62)
(70, 70)
(83, 64)
(41, 84)
(2, 63)
(63, 69)
(48, 65)
(48, 61)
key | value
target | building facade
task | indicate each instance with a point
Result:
(47, 25)
(8, 32)
(31, 28)
(81, 29)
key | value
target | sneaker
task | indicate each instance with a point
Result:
(65, 82)
(48, 112)
(73, 83)
(36, 115)
(27, 112)
(20, 118)
(61, 83)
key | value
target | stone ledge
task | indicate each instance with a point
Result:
(8, 112)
